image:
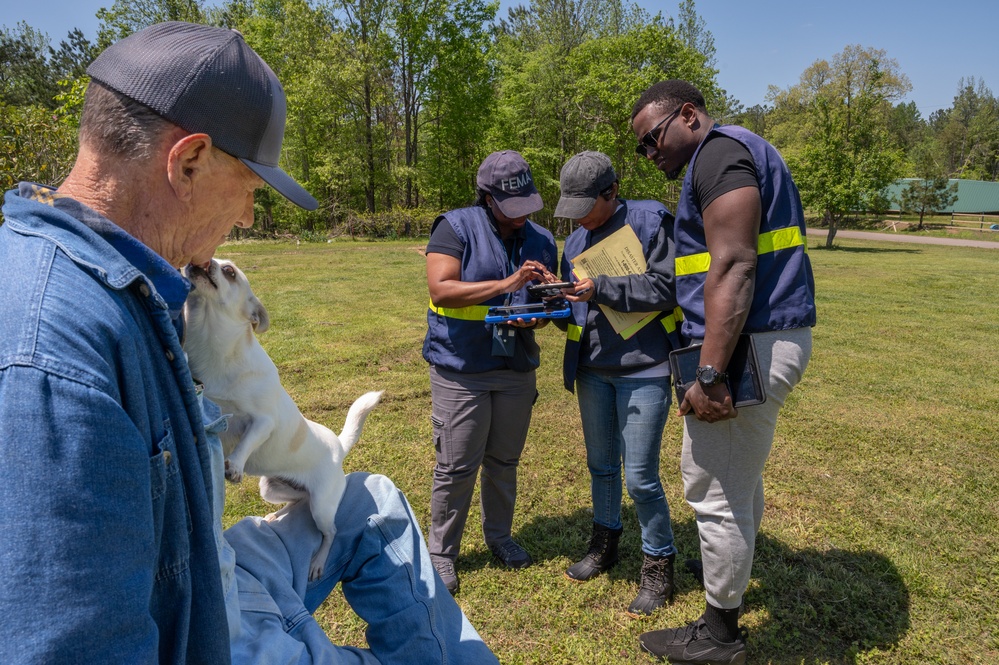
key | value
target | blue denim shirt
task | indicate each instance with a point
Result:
(108, 542)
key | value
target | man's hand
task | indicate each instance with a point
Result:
(708, 404)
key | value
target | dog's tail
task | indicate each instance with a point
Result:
(355, 419)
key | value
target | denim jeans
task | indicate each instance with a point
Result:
(623, 419)
(380, 560)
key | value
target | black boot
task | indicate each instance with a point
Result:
(656, 587)
(601, 556)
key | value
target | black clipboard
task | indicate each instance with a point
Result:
(745, 383)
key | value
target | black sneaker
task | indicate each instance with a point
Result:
(445, 568)
(693, 644)
(511, 554)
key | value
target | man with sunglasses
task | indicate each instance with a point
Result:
(741, 267)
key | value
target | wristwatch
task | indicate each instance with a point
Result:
(708, 376)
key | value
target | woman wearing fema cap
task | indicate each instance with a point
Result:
(622, 381)
(482, 377)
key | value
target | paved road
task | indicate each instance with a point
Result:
(900, 237)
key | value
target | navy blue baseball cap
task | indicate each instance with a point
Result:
(506, 177)
(207, 80)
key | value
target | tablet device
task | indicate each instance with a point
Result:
(744, 381)
(538, 310)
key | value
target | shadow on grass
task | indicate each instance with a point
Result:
(816, 605)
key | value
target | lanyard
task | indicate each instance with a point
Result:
(511, 265)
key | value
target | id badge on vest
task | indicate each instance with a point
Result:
(504, 340)
(505, 337)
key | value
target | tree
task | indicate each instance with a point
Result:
(128, 16)
(428, 37)
(25, 75)
(968, 132)
(833, 127)
(693, 31)
(459, 97)
(754, 119)
(931, 190)
(569, 73)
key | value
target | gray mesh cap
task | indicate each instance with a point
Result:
(207, 80)
(582, 179)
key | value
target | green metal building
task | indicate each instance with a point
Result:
(974, 197)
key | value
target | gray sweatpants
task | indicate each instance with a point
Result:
(722, 467)
(480, 421)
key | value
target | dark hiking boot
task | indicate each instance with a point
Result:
(601, 556)
(656, 586)
(694, 644)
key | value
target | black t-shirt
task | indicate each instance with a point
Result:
(723, 164)
(444, 240)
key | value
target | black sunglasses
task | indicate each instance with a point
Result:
(651, 139)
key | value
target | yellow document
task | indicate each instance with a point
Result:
(617, 255)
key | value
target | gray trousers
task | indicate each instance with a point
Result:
(480, 421)
(722, 466)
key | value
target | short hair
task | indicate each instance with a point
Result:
(672, 93)
(118, 126)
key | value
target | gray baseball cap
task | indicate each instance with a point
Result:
(506, 176)
(582, 179)
(207, 80)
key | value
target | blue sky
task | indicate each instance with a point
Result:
(768, 42)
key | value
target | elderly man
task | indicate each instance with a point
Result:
(110, 464)
(741, 268)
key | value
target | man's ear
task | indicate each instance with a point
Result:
(688, 115)
(187, 156)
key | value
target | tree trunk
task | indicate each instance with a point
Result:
(831, 220)
(369, 146)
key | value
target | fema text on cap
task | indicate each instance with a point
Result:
(515, 183)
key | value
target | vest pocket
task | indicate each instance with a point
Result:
(171, 518)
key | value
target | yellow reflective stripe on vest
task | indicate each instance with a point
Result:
(670, 321)
(769, 242)
(471, 313)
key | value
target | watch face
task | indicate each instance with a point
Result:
(707, 375)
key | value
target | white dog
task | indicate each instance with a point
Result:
(268, 436)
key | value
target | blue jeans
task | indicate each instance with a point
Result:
(381, 561)
(623, 419)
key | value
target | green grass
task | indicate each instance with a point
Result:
(880, 537)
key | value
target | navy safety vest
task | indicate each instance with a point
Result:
(784, 296)
(458, 338)
(657, 338)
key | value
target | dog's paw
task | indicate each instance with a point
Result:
(233, 474)
(316, 570)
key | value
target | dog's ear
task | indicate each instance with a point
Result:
(259, 318)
